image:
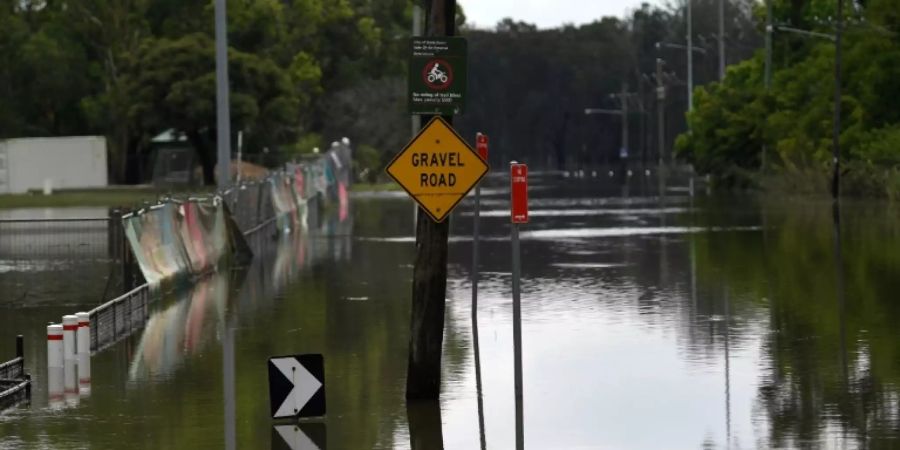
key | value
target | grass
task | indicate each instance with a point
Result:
(125, 196)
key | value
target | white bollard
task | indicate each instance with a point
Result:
(70, 374)
(70, 327)
(55, 346)
(70, 380)
(83, 339)
(55, 363)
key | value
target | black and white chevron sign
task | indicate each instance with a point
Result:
(297, 386)
(300, 436)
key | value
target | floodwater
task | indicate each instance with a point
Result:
(648, 323)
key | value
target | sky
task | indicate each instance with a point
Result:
(545, 13)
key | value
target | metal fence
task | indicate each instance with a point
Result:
(255, 207)
(44, 258)
(119, 318)
(15, 384)
(24, 240)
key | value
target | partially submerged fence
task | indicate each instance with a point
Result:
(31, 239)
(15, 384)
(178, 239)
(119, 318)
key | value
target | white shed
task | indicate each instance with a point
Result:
(64, 162)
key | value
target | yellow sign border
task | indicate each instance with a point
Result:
(413, 141)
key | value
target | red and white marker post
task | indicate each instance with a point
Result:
(481, 144)
(55, 364)
(518, 177)
(70, 360)
(83, 341)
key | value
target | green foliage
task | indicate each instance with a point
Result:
(305, 145)
(367, 163)
(726, 124)
(733, 122)
(135, 68)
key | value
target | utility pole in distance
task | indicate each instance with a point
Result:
(223, 107)
(768, 70)
(623, 112)
(660, 110)
(690, 57)
(721, 40)
(836, 134)
(423, 376)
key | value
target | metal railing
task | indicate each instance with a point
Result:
(28, 240)
(119, 318)
(15, 384)
(255, 210)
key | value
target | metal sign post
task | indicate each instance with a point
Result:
(518, 215)
(481, 144)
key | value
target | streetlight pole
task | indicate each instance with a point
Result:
(721, 40)
(223, 109)
(690, 58)
(768, 69)
(836, 133)
(660, 110)
(623, 98)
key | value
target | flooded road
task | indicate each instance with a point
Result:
(648, 323)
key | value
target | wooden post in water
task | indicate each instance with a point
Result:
(423, 376)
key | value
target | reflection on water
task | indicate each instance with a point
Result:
(718, 325)
(181, 330)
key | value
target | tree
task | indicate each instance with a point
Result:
(173, 83)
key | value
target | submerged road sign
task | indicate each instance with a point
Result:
(518, 176)
(481, 143)
(297, 386)
(299, 436)
(437, 75)
(437, 168)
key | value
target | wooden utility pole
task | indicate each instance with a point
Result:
(423, 375)
(836, 133)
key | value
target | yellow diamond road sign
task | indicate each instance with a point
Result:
(437, 168)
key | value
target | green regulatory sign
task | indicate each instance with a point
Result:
(437, 75)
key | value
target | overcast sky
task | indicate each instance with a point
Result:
(545, 13)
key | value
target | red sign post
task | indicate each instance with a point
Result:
(518, 175)
(481, 144)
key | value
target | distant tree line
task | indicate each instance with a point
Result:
(740, 131)
(135, 68)
(530, 87)
(305, 72)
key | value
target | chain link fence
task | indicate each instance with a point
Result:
(288, 200)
